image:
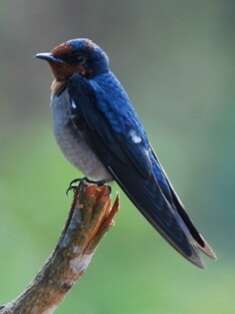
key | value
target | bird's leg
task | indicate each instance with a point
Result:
(99, 183)
(73, 183)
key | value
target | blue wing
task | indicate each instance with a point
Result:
(118, 138)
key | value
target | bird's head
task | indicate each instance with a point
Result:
(76, 56)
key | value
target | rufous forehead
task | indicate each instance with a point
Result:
(62, 49)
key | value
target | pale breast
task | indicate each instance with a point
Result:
(71, 140)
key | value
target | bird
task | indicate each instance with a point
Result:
(99, 132)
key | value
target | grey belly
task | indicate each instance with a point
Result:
(72, 141)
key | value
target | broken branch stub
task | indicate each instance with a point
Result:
(91, 215)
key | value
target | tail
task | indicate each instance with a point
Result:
(198, 240)
(156, 199)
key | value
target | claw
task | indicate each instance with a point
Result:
(99, 183)
(69, 189)
(73, 183)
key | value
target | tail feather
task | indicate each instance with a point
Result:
(151, 202)
(207, 249)
(199, 241)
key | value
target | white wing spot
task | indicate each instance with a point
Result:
(73, 105)
(135, 138)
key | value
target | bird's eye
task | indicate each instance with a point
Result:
(81, 59)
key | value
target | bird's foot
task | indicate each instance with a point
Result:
(74, 183)
(99, 183)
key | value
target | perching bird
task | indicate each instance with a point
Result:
(99, 131)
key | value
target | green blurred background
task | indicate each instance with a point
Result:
(176, 59)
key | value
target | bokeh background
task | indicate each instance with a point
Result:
(176, 59)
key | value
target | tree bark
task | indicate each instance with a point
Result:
(91, 215)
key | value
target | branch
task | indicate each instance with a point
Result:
(91, 215)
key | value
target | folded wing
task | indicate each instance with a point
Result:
(118, 138)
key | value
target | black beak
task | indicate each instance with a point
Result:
(48, 56)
